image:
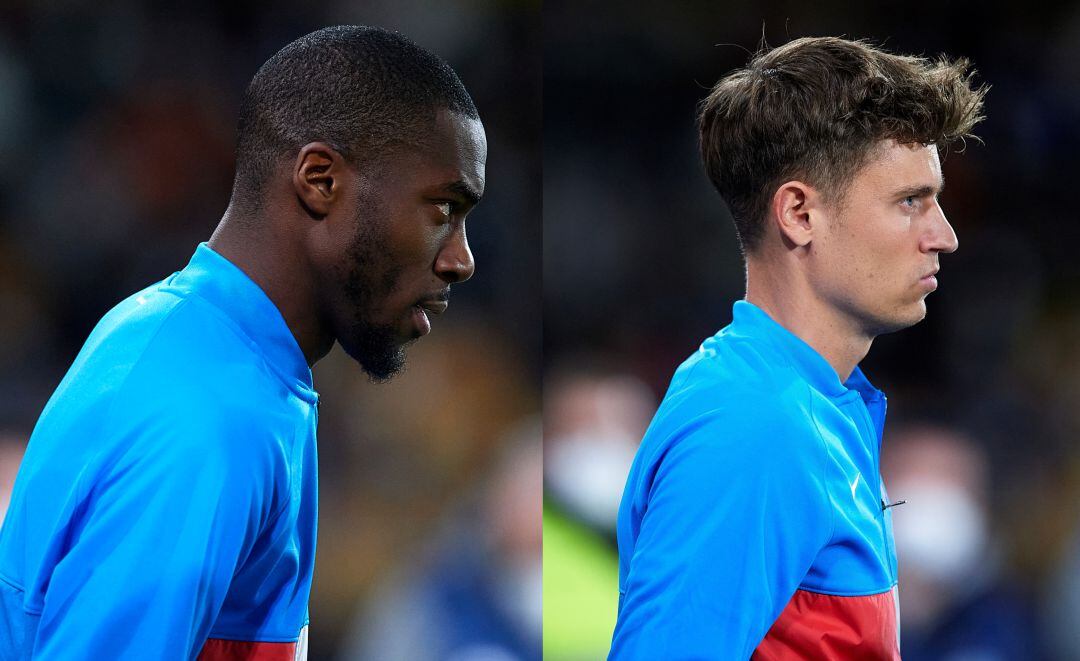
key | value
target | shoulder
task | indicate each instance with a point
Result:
(738, 365)
(162, 335)
(172, 371)
(743, 437)
(731, 408)
(736, 393)
(162, 348)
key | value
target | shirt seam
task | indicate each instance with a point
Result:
(182, 301)
(837, 593)
(138, 361)
(824, 478)
(239, 638)
(124, 384)
(6, 580)
(117, 396)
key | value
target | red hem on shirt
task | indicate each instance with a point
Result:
(217, 649)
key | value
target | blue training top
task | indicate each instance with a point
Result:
(753, 521)
(168, 493)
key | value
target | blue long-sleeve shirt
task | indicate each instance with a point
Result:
(166, 504)
(752, 522)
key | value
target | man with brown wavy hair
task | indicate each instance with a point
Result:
(754, 520)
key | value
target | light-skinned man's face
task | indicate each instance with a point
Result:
(393, 270)
(877, 253)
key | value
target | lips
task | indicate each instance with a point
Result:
(930, 280)
(422, 310)
(434, 306)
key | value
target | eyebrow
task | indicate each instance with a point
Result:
(921, 191)
(464, 190)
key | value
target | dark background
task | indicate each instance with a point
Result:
(641, 261)
(117, 125)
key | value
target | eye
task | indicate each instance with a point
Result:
(910, 202)
(446, 207)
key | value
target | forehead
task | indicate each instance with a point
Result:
(452, 131)
(453, 149)
(892, 164)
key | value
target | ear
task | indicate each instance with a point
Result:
(318, 175)
(795, 210)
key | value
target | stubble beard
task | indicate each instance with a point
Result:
(370, 281)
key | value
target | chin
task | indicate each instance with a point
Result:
(379, 353)
(919, 313)
(383, 368)
(908, 320)
(896, 320)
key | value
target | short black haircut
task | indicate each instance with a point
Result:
(362, 90)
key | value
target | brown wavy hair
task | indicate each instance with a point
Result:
(815, 108)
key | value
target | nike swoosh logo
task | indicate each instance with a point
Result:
(855, 484)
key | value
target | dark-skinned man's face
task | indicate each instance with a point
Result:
(408, 244)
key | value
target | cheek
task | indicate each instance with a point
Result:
(878, 248)
(416, 240)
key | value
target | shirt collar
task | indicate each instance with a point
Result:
(751, 321)
(226, 287)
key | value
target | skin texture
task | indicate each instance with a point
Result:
(839, 273)
(364, 254)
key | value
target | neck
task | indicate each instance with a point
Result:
(275, 262)
(786, 296)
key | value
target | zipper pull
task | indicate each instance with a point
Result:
(885, 507)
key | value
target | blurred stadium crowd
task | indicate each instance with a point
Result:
(641, 264)
(117, 128)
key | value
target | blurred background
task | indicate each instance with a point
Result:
(117, 124)
(641, 264)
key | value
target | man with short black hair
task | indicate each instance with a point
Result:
(754, 521)
(166, 507)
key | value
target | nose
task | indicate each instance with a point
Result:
(454, 262)
(940, 236)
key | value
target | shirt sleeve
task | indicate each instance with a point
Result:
(736, 512)
(153, 551)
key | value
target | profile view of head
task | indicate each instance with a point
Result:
(826, 151)
(359, 156)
